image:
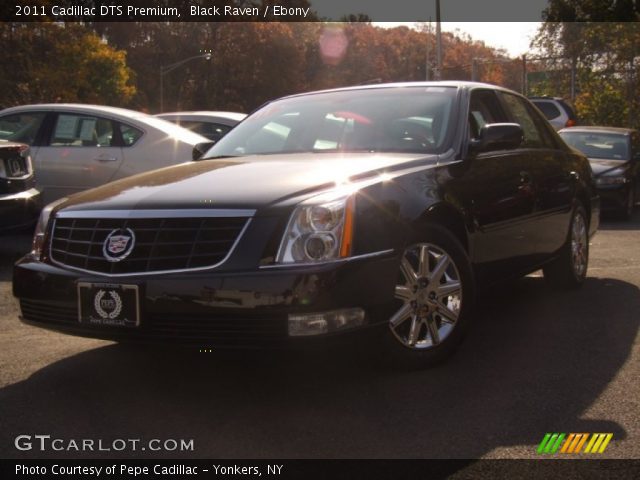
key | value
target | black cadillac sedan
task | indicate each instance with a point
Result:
(614, 154)
(374, 212)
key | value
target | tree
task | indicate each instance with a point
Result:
(48, 62)
(605, 58)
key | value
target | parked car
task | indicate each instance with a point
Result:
(20, 200)
(372, 212)
(614, 154)
(213, 125)
(76, 147)
(559, 113)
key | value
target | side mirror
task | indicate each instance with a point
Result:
(199, 149)
(498, 136)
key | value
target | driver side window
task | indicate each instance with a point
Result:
(484, 108)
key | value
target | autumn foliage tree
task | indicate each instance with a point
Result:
(47, 62)
(251, 62)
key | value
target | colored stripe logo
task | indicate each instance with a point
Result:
(574, 443)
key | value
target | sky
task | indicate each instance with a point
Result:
(514, 37)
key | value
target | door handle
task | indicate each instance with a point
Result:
(525, 178)
(106, 159)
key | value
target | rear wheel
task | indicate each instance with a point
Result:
(570, 268)
(434, 293)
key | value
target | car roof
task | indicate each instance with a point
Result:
(237, 116)
(84, 107)
(546, 98)
(618, 130)
(373, 86)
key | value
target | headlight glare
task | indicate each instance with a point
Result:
(318, 232)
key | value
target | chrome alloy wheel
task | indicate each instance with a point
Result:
(430, 289)
(579, 245)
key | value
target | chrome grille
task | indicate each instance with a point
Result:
(162, 243)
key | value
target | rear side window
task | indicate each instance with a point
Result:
(568, 109)
(130, 135)
(21, 127)
(213, 131)
(548, 109)
(534, 137)
(76, 130)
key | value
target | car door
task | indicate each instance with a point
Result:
(82, 151)
(499, 193)
(551, 174)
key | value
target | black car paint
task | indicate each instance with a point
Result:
(510, 209)
(20, 200)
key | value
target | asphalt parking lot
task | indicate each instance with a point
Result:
(536, 360)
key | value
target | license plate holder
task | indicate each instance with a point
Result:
(108, 305)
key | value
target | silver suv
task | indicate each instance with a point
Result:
(556, 110)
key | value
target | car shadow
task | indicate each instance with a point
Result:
(534, 360)
(609, 221)
(12, 248)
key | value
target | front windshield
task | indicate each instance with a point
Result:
(403, 119)
(609, 146)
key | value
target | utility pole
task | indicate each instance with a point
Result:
(524, 75)
(428, 59)
(438, 72)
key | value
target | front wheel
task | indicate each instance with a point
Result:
(570, 268)
(434, 295)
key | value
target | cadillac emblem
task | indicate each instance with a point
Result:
(118, 244)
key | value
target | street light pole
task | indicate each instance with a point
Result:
(164, 69)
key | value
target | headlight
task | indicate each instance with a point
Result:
(319, 230)
(611, 180)
(41, 228)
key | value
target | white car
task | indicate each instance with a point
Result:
(213, 125)
(75, 147)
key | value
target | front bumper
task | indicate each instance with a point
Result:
(20, 210)
(613, 197)
(209, 309)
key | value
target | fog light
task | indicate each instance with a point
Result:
(318, 323)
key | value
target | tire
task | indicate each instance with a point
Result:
(569, 269)
(434, 294)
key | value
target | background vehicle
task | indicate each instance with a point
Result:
(75, 147)
(20, 200)
(559, 113)
(213, 125)
(368, 211)
(614, 154)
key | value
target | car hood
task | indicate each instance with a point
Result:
(248, 182)
(601, 166)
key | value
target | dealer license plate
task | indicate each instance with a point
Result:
(108, 304)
